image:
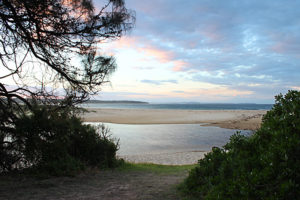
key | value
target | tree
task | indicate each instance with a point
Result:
(52, 35)
(264, 165)
(49, 51)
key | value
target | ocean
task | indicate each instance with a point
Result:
(180, 106)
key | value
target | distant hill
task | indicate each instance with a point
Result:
(123, 102)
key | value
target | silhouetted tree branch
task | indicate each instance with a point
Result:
(53, 37)
(46, 45)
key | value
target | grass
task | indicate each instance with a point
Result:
(155, 168)
(123, 167)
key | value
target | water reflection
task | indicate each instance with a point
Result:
(168, 138)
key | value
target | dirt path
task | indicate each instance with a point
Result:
(104, 185)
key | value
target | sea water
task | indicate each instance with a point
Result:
(180, 106)
(168, 138)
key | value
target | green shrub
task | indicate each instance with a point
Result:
(262, 166)
(56, 142)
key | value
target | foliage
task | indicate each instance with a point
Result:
(262, 166)
(49, 55)
(56, 142)
(57, 40)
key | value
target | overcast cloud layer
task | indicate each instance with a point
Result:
(251, 46)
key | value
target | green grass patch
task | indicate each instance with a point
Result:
(156, 168)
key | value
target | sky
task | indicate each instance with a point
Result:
(209, 51)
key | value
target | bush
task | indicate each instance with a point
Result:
(262, 166)
(56, 142)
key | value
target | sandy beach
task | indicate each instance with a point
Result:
(231, 119)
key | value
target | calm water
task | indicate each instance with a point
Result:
(168, 138)
(182, 106)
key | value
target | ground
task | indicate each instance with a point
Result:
(137, 182)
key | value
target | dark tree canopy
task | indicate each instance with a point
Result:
(49, 50)
(50, 37)
(48, 44)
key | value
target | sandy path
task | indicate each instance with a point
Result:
(235, 119)
(106, 185)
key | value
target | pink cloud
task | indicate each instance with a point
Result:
(161, 55)
(226, 92)
(143, 47)
(180, 66)
(295, 88)
(284, 43)
(212, 32)
(148, 52)
(281, 43)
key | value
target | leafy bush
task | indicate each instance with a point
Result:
(56, 142)
(262, 166)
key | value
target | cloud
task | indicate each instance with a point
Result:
(296, 88)
(141, 46)
(231, 43)
(180, 66)
(158, 82)
(143, 68)
(233, 27)
(178, 91)
(154, 53)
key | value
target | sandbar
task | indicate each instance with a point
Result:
(232, 119)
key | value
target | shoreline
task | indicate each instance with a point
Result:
(231, 119)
